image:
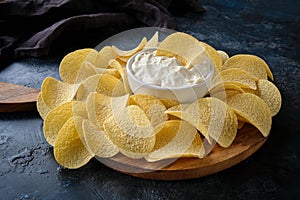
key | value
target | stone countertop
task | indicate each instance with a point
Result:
(269, 29)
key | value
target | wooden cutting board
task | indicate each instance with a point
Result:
(248, 141)
(17, 97)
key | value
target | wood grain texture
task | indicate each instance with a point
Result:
(15, 98)
(248, 141)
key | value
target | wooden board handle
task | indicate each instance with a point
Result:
(15, 98)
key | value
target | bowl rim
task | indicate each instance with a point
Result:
(151, 86)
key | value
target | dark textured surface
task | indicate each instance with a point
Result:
(269, 29)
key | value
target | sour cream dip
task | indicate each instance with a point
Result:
(166, 78)
(168, 72)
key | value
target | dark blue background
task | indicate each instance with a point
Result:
(268, 28)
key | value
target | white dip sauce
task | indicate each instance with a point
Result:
(168, 72)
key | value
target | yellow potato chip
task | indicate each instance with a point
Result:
(214, 56)
(130, 52)
(122, 71)
(153, 107)
(109, 85)
(97, 106)
(100, 106)
(98, 141)
(236, 76)
(130, 129)
(70, 65)
(109, 71)
(122, 63)
(102, 83)
(153, 42)
(223, 55)
(133, 155)
(254, 110)
(187, 49)
(55, 92)
(225, 86)
(42, 108)
(225, 90)
(270, 94)
(176, 139)
(178, 108)
(176, 111)
(78, 121)
(123, 59)
(97, 70)
(175, 107)
(241, 124)
(86, 70)
(212, 117)
(224, 95)
(57, 117)
(168, 103)
(248, 90)
(250, 63)
(104, 56)
(69, 151)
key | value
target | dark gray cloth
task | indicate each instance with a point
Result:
(41, 27)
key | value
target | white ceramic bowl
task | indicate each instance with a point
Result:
(186, 94)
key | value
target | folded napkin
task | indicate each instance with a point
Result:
(41, 27)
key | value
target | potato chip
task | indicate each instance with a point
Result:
(178, 108)
(224, 95)
(98, 70)
(42, 108)
(123, 64)
(237, 77)
(168, 103)
(88, 69)
(173, 104)
(153, 42)
(248, 90)
(85, 71)
(78, 121)
(176, 139)
(153, 107)
(100, 106)
(225, 90)
(130, 52)
(101, 83)
(270, 94)
(104, 56)
(57, 117)
(213, 118)
(55, 92)
(241, 124)
(123, 59)
(133, 155)
(70, 65)
(109, 85)
(97, 141)
(214, 56)
(254, 110)
(250, 63)
(130, 130)
(122, 71)
(225, 86)
(223, 55)
(187, 49)
(69, 150)
(97, 108)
